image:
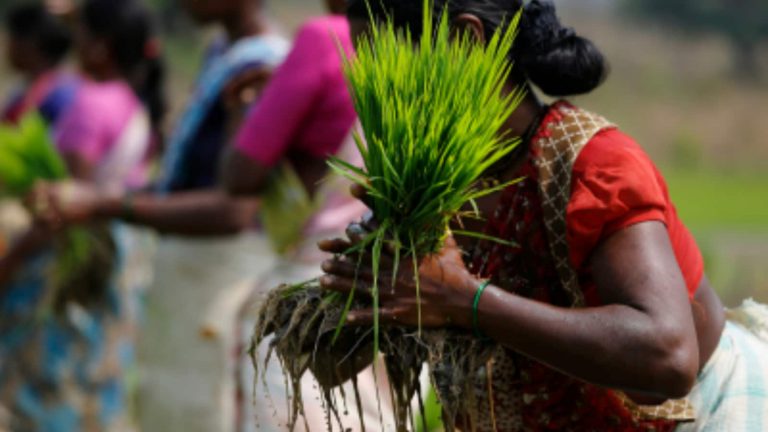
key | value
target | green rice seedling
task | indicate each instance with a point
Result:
(431, 118)
(27, 156)
(431, 110)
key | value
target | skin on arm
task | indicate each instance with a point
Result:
(208, 212)
(270, 127)
(642, 341)
(241, 92)
(242, 175)
(196, 213)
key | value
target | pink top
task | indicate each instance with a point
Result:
(96, 124)
(306, 108)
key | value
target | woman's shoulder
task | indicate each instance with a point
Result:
(615, 184)
(613, 149)
(325, 31)
(323, 23)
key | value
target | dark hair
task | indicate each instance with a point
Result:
(31, 21)
(129, 29)
(549, 55)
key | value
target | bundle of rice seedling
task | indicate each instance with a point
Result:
(27, 156)
(431, 110)
(83, 255)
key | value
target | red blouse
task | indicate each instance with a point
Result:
(616, 185)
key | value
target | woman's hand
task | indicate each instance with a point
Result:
(60, 205)
(442, 298)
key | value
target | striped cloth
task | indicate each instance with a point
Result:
(732, 391)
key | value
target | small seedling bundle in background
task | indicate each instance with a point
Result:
(431, 110)
(82, 256)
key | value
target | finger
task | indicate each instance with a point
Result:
(450, 242)
(358, 191)
(357, 232)
(345, 285)
(345, 267)
(344, 247)
(369, 222)
(387, 316)
(388, 289)
(360, 317)
(393, 316)
(384, 261)
(363, 273)
(335, 246)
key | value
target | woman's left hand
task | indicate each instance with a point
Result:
(443, 298)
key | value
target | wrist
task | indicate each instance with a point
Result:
(461, 315)
(111, 205)
(476, 309)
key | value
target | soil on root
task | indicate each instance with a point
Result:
(303, 320)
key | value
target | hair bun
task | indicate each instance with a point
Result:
(554, 57)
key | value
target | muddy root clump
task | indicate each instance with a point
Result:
(301, 321)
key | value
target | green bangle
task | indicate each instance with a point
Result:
(475, 319)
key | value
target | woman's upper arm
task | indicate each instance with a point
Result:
(636, 266)
(617, 229)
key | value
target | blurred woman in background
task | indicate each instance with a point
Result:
(37, 44)
(65, 370)
(209, 255)
(120, 105)
(304, 117)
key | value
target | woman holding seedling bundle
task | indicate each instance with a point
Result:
(64, 359)
(584, 274)
(304, 116)
(208, 257)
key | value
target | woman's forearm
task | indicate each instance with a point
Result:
(643, 340)
(199, 213)
(615, 346)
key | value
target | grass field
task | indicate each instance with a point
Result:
(728, 214)
(710, 201)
